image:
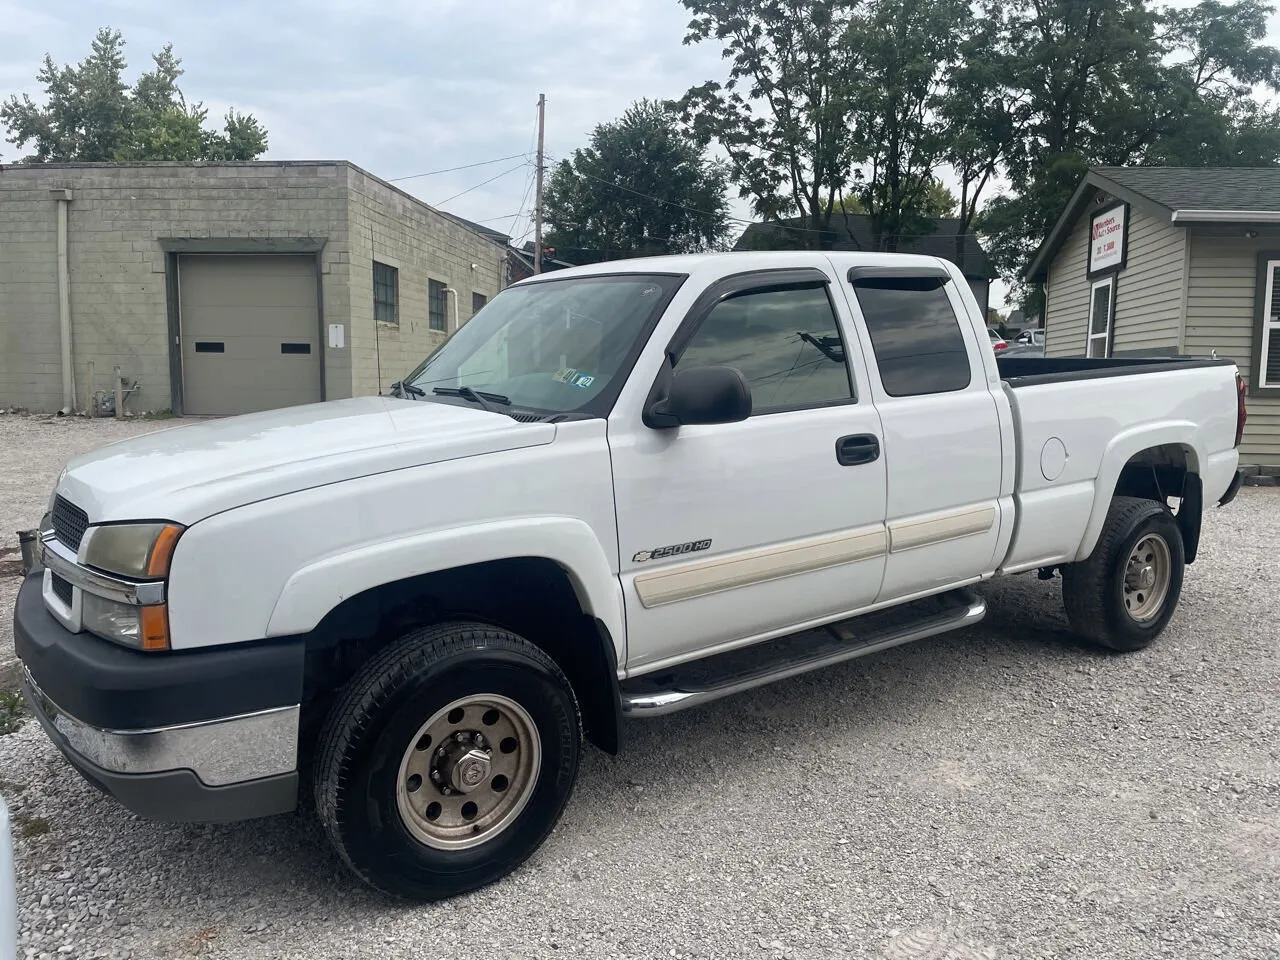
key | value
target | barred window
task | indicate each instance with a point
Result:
(437, 305)
(386, 293)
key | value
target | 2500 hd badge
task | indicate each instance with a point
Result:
(675, 550)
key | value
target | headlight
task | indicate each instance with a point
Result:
(138, 550)
(144, 628)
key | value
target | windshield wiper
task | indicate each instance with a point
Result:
(475, 396)
(402, 389)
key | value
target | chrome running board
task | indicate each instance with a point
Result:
(701, 681)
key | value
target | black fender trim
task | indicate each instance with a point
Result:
(1190, 511)
(599, 695)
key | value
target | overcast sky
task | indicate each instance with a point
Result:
(399, 87)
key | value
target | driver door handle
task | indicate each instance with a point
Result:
(857, 448)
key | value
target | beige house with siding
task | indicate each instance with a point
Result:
(225, 288)
(1172, 261)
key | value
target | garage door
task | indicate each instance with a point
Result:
(250, 333)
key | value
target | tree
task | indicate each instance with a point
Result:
(905, 51)
(830, 107)
(783, 115)
(91, 115)
(1217, 58)
(1116, 82)
(936, 202)
(642, 187)
(984, 112)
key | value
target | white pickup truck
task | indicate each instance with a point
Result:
(617, 491)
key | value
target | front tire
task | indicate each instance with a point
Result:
(447, 760)
(1124, 595)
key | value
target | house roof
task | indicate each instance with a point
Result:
(497, 236)
(1179, 195)
(525, 255)
(853, 232)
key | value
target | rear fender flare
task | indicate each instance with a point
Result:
(1123, 448)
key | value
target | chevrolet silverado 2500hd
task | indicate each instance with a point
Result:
(617, 491)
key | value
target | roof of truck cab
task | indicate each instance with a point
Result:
(735, 262)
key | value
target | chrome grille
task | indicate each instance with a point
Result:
(69, 522)
(61, 589)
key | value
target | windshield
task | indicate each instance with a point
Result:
(554, 345)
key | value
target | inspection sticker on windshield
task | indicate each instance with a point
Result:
(582, 380)
(564, 375)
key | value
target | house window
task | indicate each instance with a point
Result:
(386, 293)
(478, 300)
(437, 305)
(1268, 376)
(1101, 308)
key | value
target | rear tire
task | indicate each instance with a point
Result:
(447, 760)
(1124, 595)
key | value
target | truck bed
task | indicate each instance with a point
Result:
(1078, 421)
(1027, 371)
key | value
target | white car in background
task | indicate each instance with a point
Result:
(997, 342)
(1029, 343)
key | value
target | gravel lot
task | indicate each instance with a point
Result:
(998, 793)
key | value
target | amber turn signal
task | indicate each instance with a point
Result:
(153, 627)
(162, 550)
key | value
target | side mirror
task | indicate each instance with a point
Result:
(702, 395)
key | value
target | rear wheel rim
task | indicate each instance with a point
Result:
(468, 772)
(1147, 575)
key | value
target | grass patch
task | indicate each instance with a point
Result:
(30, 825)
(159, 415)
(13, 710)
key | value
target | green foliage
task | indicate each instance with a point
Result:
(783, 115)
(641, 188)
(1121, 83)
(936, 202)
(91, 115)
(863, 105)
(905, 52)
(12, 712)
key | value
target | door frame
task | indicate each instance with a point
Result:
(1108, 338)
(689, 555)
(175, 247)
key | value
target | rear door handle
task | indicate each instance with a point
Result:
(857, 448)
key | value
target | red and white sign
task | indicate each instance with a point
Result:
(1107, 240)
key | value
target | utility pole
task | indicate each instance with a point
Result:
(537, 204)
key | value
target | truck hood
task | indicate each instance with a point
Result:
(191, 472)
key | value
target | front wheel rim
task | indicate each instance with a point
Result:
(468, 772)
(1147, 575)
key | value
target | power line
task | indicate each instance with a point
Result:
(481, 184)
(465, 166)
(528, 184)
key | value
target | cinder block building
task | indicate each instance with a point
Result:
(225, 288)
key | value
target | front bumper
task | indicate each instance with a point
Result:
(200, 736)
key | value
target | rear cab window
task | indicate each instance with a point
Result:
(918, 344)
